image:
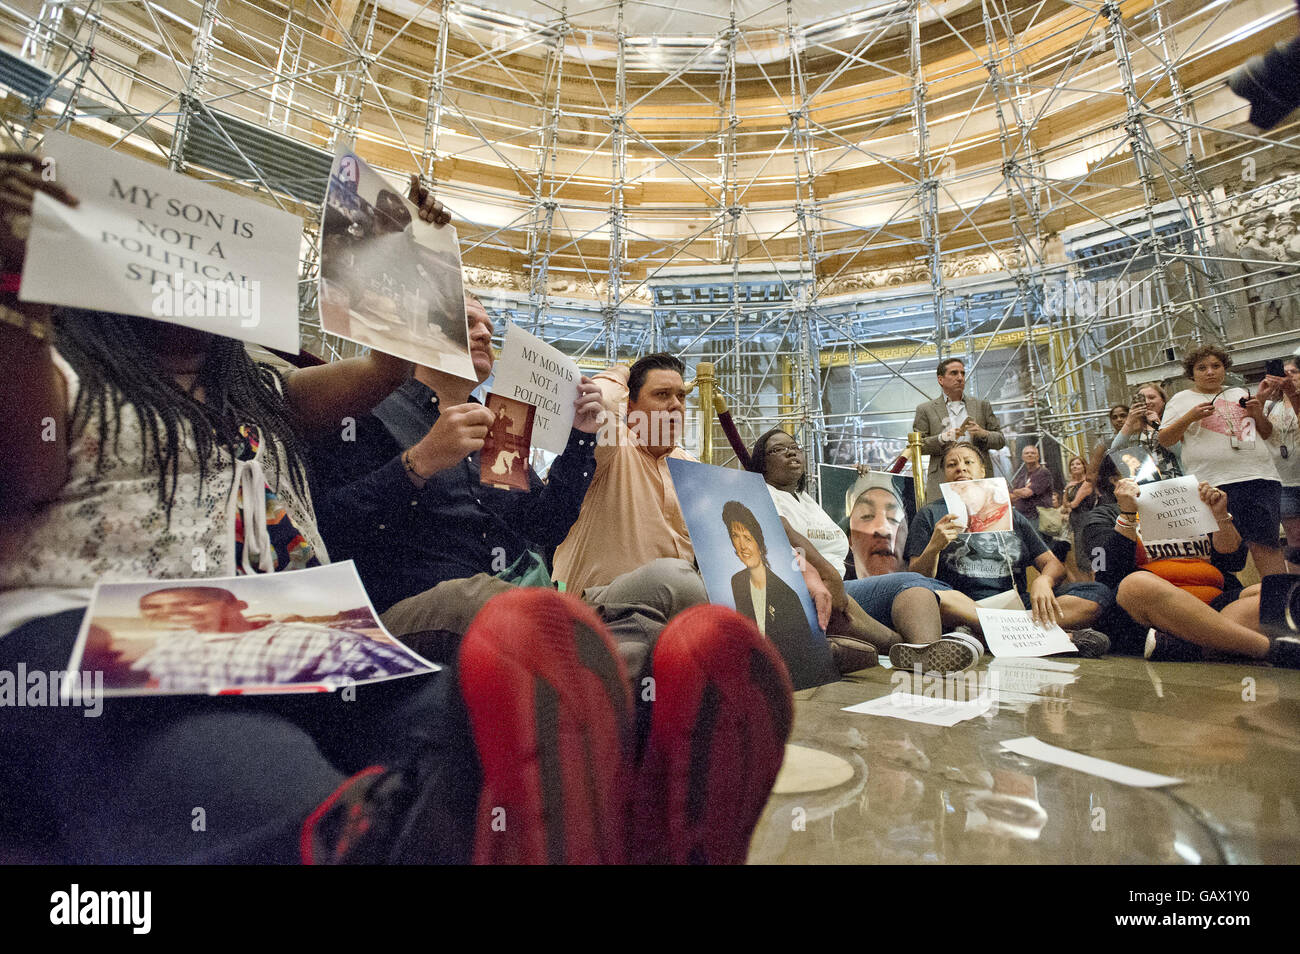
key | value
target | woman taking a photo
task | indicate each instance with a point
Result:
(1223, 431)
(1142, 425)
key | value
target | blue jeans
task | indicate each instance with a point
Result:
(876, 594)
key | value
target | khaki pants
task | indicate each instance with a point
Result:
(635, 606)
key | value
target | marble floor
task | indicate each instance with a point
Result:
(901, 792)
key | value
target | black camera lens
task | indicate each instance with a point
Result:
(1279, 604)
(1270, 83)
(1242, 401)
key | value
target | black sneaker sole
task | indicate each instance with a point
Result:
(1090, 643)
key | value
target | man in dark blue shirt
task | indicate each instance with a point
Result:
(401, 496)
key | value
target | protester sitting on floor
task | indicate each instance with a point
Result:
(985, 565)
(902, 606)
(1172, 607)
(403, 499)
(1142, 427)
(1223, 432)
(158, 471)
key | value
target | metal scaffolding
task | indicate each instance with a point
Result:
(1062, 192)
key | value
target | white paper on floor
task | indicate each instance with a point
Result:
(1014, 633)
(926, 709)
(1033, 748)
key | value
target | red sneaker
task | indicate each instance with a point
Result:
(719, 721)
(551, 716)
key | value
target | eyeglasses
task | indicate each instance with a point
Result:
(786, 448)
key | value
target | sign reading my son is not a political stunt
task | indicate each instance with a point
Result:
(157, 244)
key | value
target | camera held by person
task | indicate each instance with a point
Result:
(1271, 83)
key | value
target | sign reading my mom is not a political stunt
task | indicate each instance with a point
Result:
(153, 243)
(535, 373)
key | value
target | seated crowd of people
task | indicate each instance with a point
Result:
(623, 719)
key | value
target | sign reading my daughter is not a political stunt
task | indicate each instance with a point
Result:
(152, 243)
(1014, 633)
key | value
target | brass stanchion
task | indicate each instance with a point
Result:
(704, 380)
(918, 474)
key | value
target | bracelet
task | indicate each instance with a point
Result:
(1128, 513)
(38, 328)
(410, 467)
(1228, 518)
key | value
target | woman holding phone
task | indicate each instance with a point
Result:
(1142, 425)
(1223, 431)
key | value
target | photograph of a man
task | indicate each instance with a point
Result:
(877, 531)
(200, 637)
(874, 508)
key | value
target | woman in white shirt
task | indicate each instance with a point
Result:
(1223, 433)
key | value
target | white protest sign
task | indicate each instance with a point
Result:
(1173, 510)
(1014, 633)
(157, 244)
(532, 371)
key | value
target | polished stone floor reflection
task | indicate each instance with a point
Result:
(926, 793)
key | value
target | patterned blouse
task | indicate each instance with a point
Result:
(112, 527)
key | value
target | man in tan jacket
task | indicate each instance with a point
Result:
(953, 416)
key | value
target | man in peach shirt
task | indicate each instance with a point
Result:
(631, 516)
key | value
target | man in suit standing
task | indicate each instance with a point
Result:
(953, 416)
